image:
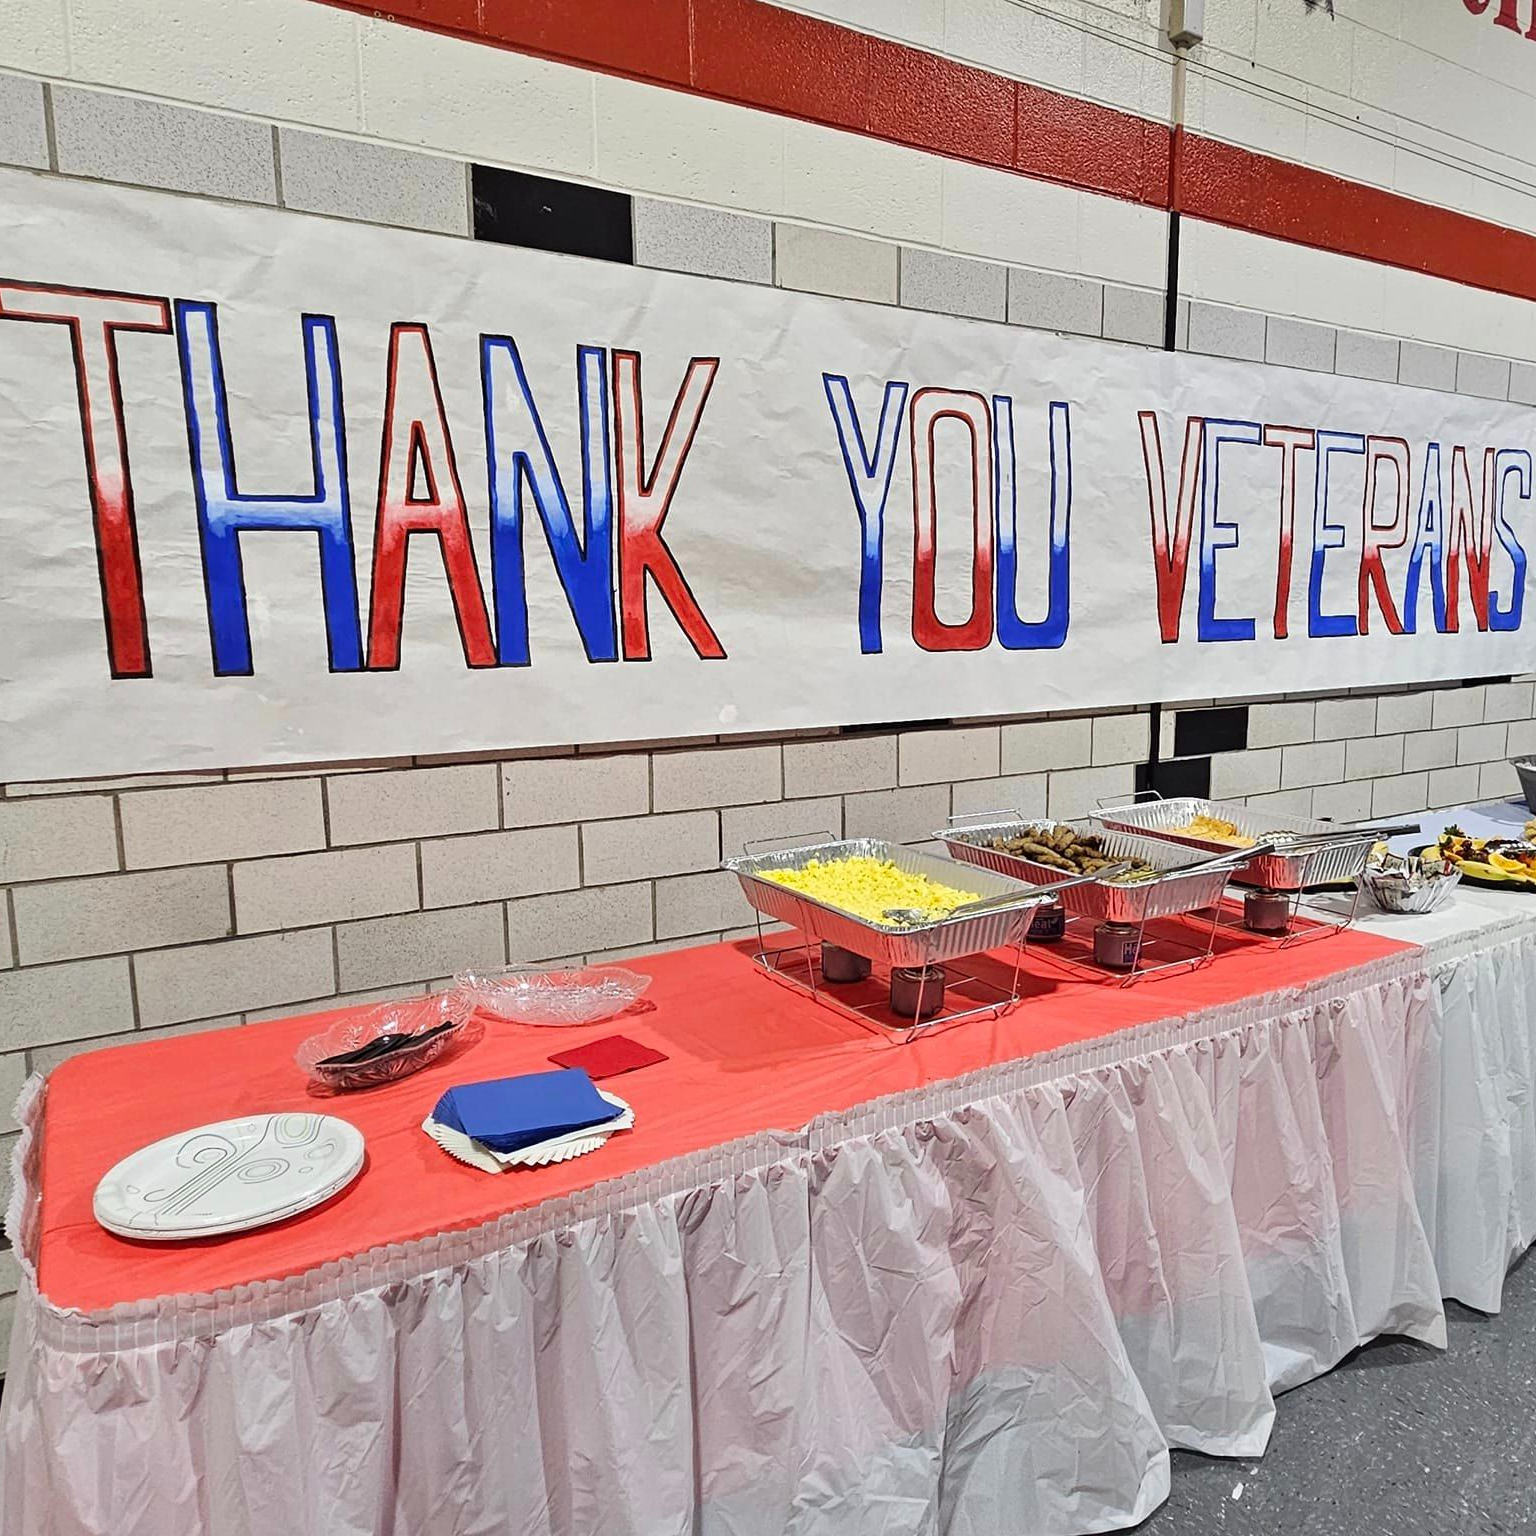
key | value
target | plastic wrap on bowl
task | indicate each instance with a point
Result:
(525, 994)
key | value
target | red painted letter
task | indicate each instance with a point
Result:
(929, 407)
(1170, 546)
(419, 492)
(1379, 536)
(94, 318)
(1290, 441)
(644, 501)
(1470, 534)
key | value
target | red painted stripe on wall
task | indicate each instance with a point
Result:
(758, 55)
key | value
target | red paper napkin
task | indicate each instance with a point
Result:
(608, 1057)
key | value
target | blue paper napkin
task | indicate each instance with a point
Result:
(509, 1113)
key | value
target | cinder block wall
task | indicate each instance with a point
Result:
(135, 908)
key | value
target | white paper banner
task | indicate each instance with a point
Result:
(651, 505)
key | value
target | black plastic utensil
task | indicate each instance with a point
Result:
(384, 1045)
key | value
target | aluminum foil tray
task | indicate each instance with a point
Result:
(1168, 896)
(929, 944)
(1332, 863)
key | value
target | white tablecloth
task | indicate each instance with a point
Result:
(989, 1306)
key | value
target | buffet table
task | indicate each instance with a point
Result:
(983, 1281)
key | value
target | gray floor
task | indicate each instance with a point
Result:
(1398, 1441)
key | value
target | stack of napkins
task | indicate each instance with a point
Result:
(512, 1122)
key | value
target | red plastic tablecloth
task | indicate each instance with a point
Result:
(745, 1054)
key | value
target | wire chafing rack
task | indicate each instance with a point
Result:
(1182, 888)
(944, 953)
(1299, 868)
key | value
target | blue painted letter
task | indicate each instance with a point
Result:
(520, 459)
(870, 480)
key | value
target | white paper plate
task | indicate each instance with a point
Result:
(229, 1177)
(555, 1149)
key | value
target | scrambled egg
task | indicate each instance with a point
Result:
(866, 887)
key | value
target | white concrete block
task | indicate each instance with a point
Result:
(74, 1001)
(1036, 745)
(209, 979)
(1373, 757)
(1458, 706)
(384, 950)
(1522, 383)
(734, 159)
(1426, 366)
(1236, 775)
(1133, 314)
(579, 922)
(698, 904)
(1429, 749)
(1079, 791)
(712, 242)
(689, 781)
(782, 821)
(824, 261)
(1508, 701)
(1223, 331)
(1299, 344)
(1340, 802)
(1055, 301)
(1285, 802)
(844, 765)
(1021, 792)
(503, 108)
(953, 285)
(1319, 762)
(413, 802)
(284, 60)
(940, 757)
(1014, 219)
(1498, 781)
(646, 846)
(1362, 355)
(34, 35)
(49, 839)
(1281, 724)
(1521, 741)
(1480, 743)
(7, 952)
(1449, 787)
(329, 1005)
(536, 791)
(162, 827)
(353, 179)
(846, 181)
(308, 889)
(151, 143)
(1487, 377)
(897, 815)
(1121, 738)
(1027, 42)
(23, 129)
(459, 871)
(69, 919)
(1339, 718)
(1404, 712)
(1404, 794)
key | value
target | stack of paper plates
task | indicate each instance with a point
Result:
(554, 1149)
(229, 1177)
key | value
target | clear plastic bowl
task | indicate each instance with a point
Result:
(407, 1016)
(1392, 894)
(528, 994)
